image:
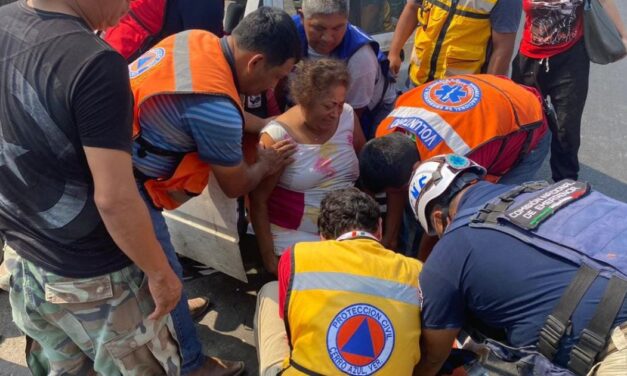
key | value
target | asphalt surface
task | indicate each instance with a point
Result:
(227, 330)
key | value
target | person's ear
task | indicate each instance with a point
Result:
(379, 233)
(255, 62)
(440, 221)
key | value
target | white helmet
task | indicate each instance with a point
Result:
(438, 176)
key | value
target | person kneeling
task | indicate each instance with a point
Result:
(539, 267)
(343, 304)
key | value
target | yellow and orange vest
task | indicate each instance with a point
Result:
(353, 307)
(459, 114)
(452, 38)
(191, 62)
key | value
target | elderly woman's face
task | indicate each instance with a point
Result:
(324, 112)
(325, 32)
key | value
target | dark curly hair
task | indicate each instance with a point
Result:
(347, 210)
(314, 79)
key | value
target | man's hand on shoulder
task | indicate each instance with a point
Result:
(277, 156)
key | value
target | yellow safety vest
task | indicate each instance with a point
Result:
(353, 307)
(452, 38)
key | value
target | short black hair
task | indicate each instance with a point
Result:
(271, 32)
(347, 210)
(387, 162)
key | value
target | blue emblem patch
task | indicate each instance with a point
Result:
(360, 339)
(146, 61)
(455, 95)
(421, 129)
(457, 161)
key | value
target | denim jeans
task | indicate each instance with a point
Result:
(564, 78)
(530, 164)
(190, 347)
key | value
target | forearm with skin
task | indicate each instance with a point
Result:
(254, 174)
(406, 25)
(126, 218)
(253, 123)
(499, 64)
(234, 186)
(502, 51)
(427, 367)
(614, 14)
(394, 216)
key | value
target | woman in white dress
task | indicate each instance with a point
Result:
(284, 207)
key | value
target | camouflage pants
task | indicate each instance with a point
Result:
(90, 326)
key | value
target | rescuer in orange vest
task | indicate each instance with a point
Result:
(189, 122)
(492, 120)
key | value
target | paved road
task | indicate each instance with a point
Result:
(227, 330)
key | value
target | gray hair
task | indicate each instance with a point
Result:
(325, 7)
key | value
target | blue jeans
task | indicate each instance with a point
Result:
(530, 164)
(190, 347)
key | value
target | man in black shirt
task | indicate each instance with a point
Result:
(92, 285)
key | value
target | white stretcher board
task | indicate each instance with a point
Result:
(205, 230)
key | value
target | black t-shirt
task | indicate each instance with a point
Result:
(61, 88)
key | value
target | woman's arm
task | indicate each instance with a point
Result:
(259, 214)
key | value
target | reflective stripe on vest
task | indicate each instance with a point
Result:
(190, 62)
(357, 284)
(437, 123)
(352, 307)
(452, 38)
(462, 113)
(182, 68)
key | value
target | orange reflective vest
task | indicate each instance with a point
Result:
(452, 38)
(461, 113)
(353, 307)
(191, 62)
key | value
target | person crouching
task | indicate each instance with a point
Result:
(343, 304)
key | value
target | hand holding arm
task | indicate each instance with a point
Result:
(243, 178)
